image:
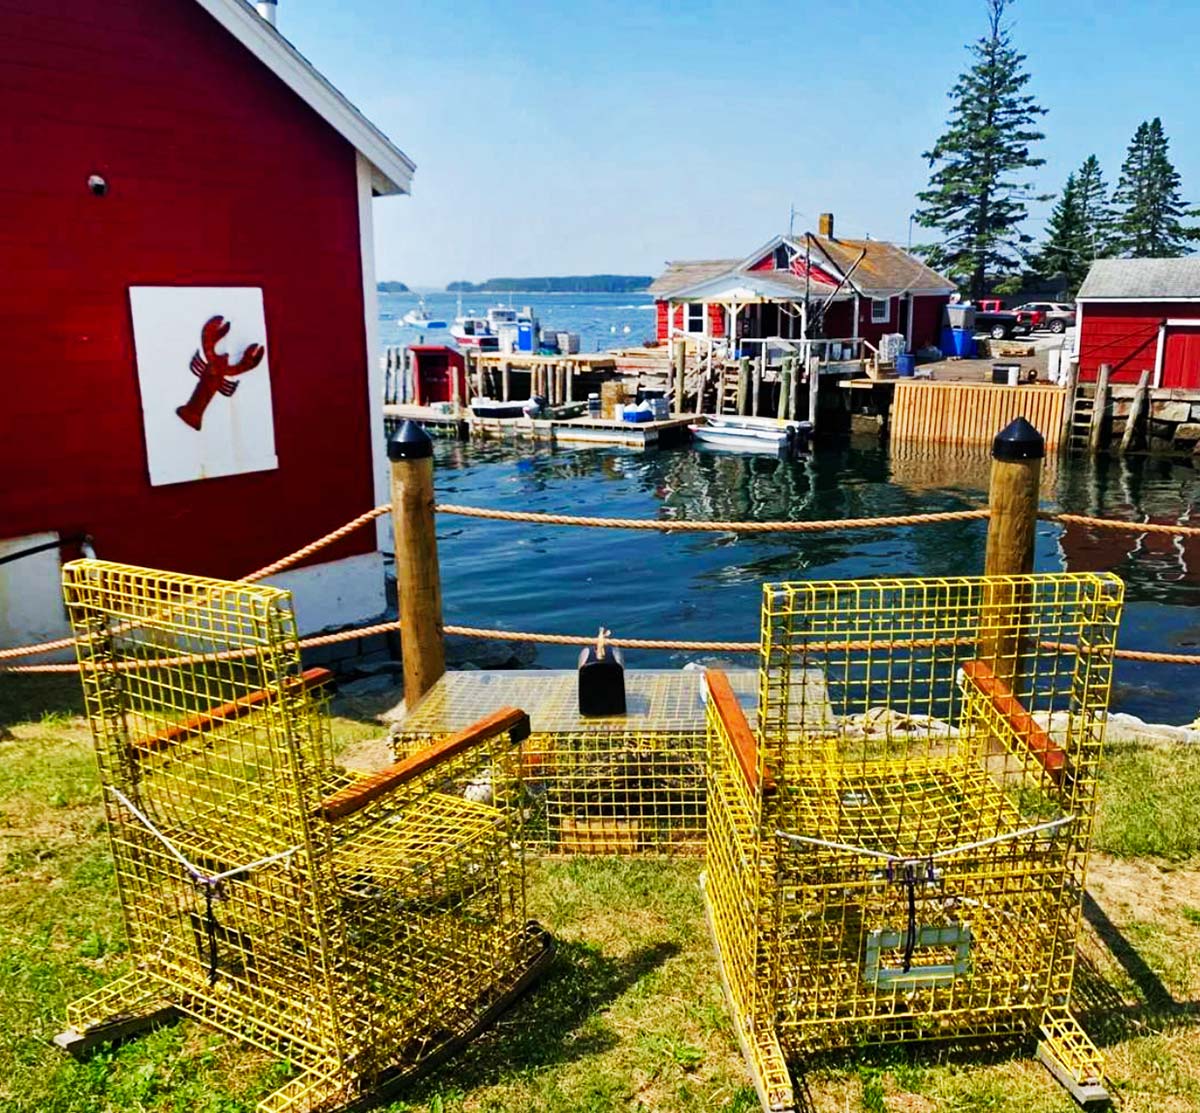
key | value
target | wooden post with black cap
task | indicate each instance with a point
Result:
(1017, 454)
(418, 579)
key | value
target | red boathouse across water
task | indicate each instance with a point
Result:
(1141, 315)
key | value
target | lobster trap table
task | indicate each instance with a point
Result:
(630, 784)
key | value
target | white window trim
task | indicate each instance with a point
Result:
(887, 314)
(687, 318)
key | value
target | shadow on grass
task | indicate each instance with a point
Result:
(556, 1022)
(28, 697)
(1106, 1014)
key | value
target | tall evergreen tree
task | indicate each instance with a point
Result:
(1078, 229)
(1148, 207)
(976, 196)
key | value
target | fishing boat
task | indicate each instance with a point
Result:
(474, 332)
(504, 328)
(420, 318)
(752, 434)
(492, 409)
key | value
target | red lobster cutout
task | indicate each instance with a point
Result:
(214, 371)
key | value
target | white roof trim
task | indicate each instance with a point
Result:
(394, 169)
(1156, 297)
(740, 285)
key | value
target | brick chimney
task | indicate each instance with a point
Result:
(825, 225)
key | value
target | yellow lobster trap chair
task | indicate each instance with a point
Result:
(358, 925)
(898, 851)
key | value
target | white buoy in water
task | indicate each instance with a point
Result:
(627, 329)
(612, 328)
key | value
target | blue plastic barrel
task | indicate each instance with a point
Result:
(906, 365)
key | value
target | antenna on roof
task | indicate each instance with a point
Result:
(791, 221)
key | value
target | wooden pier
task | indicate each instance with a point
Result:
(462, 424)
(962, 413)
(558, 378)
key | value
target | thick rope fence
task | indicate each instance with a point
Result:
(660, 525)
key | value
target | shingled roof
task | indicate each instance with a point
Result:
(681, 275)
(886, 269)
(1143, 279)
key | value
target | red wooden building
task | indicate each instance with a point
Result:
(1141, 315)
(173, 168)
(865, 288)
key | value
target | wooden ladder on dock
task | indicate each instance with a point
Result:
(727, 390)
(1081, 422)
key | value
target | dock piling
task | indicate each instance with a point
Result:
(785, 388)
(743, 396)
(418, 579)
(1017, 454)
(680, 364)
(1099, 406)
(1136, 408)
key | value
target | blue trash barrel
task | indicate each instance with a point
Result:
(906, 365)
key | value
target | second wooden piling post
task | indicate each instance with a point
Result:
(418, 578)
(680, 366)
(1099, 408)
(1017, 454)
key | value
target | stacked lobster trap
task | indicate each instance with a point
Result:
(354, 924)
(631, 784)
(899, 852)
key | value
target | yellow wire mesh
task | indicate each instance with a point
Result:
(352, 946)
(628, 785)
(917, 868)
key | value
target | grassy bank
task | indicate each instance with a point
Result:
(631, 1017)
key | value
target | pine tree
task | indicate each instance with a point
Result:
(1148, 207)
(1078, 229)
(975, 196)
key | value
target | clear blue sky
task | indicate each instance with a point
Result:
(587, 136)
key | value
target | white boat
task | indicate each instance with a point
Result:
(473, 332)
(420, 318)
(752, 434)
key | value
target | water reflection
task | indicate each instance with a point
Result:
(708, 586)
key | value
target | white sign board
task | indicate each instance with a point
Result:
(203, 368)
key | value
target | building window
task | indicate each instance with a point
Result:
(881, 310)
(694, 317)
(783, 260)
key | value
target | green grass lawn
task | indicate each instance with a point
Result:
(631, 1016)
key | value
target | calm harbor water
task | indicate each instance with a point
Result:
(707, 586)
(602, 320)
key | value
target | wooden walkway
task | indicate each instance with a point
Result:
(972, 413)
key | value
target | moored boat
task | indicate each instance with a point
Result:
(420, 318)
(752, 434)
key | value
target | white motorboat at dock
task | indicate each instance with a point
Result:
(752, 434)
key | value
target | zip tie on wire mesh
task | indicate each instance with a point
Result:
(208, 883)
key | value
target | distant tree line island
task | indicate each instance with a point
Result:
(568, 284)
(391, 288)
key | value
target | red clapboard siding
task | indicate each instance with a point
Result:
(716, 322)
(1181, 358)
(1125, 336)
(662, 319)
(927, 315)
(219, 175)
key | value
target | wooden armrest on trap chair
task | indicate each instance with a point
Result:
(226, 712)
(733, 718)
(1025, 728)
(350, 799)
